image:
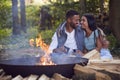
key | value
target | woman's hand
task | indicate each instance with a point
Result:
(79, 52)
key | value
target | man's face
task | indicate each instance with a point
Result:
(74, 21)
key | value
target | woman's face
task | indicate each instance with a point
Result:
(84, 22)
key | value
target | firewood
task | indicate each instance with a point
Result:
(1, 71)
(19, 77)
(113, 62)
(52, 79)
(57, 76)
(33, 77)
(94, 54)
(83, 70)
(7, 77)
(110, 69)
(113, 65)
(26, 78)
(2, 74)
(84, 77)
(44, 77)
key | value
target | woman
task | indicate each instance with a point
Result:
(93, 36)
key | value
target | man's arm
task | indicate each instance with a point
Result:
(54, 43)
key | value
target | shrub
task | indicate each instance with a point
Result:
(4, 34)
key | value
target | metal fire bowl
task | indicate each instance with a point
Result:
(27, 66)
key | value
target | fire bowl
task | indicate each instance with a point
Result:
(27, 66)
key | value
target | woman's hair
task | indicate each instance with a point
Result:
(91, 21)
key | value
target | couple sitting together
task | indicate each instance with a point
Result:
(75, 38)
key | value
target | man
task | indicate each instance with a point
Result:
(69, 37)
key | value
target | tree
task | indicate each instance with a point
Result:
(16, 26)
(82, 6)
(92, 6)
(45, 19)
(101, 6)
(23, 15)
(114, 14)
(5, 10)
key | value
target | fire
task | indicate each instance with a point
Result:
(42, 44)
(44, 60)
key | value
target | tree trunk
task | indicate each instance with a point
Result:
(82, 7)
(101, 6)
(16, 26)
(23, 15)
(114, 13)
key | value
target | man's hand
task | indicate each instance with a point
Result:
(60, 50)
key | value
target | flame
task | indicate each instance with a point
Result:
(42, 44)
(31, 42)
(44, 60)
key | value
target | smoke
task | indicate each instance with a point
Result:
(18, 47)
(19, 51)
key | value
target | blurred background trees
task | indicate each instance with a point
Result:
(114, 18)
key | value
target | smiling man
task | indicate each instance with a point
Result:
(69, 36)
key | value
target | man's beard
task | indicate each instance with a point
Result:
(73, 25)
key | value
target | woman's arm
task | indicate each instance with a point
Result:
(98, 43)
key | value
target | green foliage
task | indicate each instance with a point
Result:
(4, 34)
(17, 41)
(32, 32)
(46, 35)
(92, 6)
(112, 40)
(114, 46)
(5, 14)
(32, 15)
(58, 10)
